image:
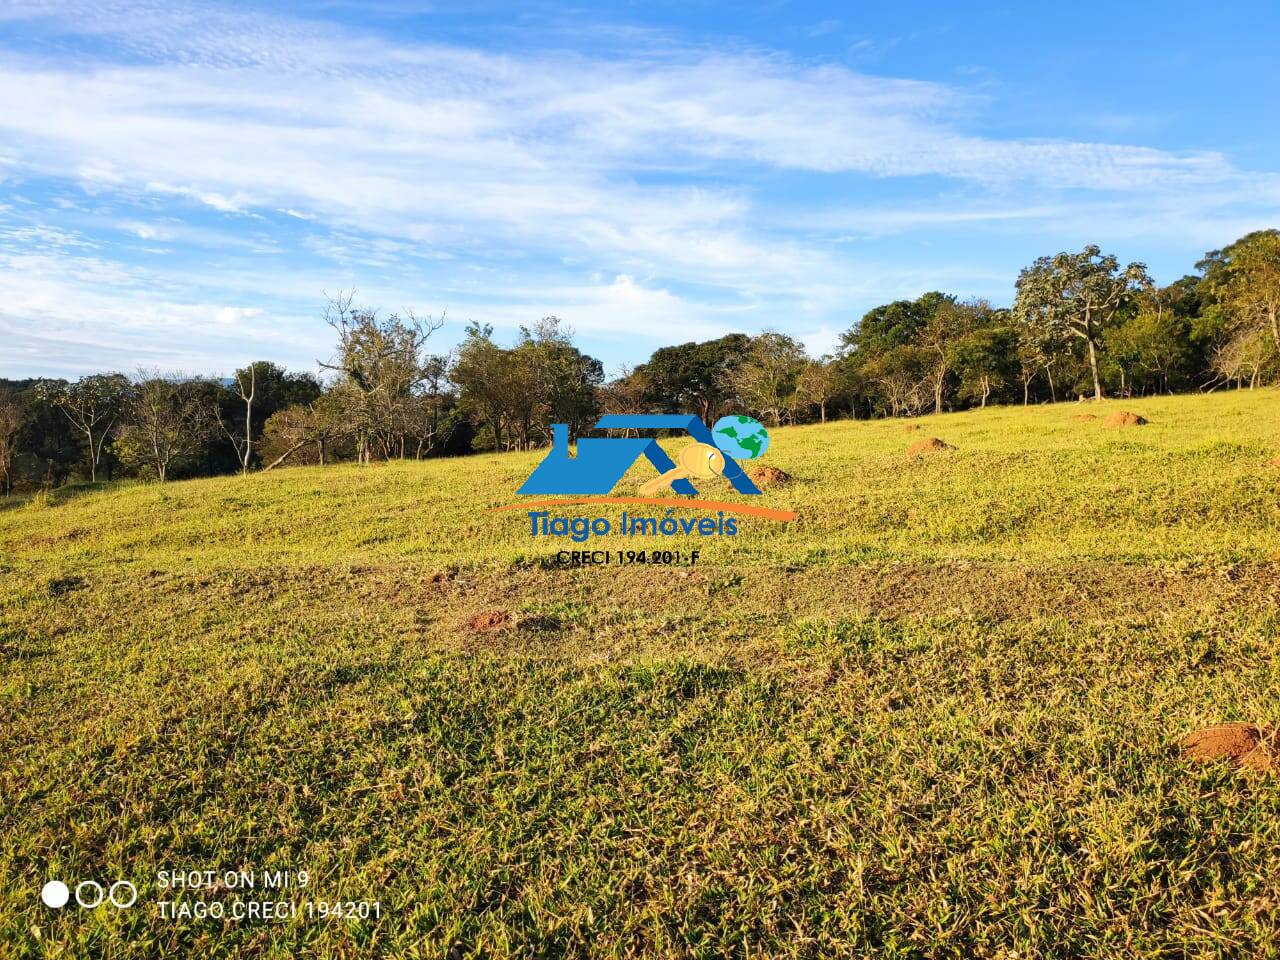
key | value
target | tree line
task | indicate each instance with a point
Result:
(1081, 325)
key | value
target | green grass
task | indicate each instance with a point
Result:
(935, 716)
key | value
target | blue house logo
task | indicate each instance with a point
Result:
(601, 461)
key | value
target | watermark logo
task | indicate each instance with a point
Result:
(589, 474)
(601, 461)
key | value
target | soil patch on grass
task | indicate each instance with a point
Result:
(489, 621)
(768, 476)
(1246, 745)
(925, 447)
(1124, 418)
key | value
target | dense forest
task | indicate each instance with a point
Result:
(1081, 326)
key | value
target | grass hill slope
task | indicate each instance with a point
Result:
(936, 715)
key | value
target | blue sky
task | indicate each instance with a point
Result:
(181, 184)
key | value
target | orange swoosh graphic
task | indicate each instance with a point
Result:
(767, 513)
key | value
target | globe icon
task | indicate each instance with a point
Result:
(741, 437)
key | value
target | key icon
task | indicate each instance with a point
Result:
(697, 461)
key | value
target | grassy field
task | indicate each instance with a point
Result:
(937, 715)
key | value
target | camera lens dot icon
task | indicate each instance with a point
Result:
(123, 894)
(55, 894)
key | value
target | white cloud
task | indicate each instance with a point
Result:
(233, 316)
(145, 231)
(526, 173)
(70, 315)
(401, 139)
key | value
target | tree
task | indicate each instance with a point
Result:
(381, 369)
(855, 385)
(1076, 294)
(892, 325)
(1151, 347)
(1245, 278)
(818, 384)
(767, 378)
(517, 393)
(47, 442)
(308, 433)
(625, 393)
(168, 421)
(93, 405)
(493, 387)
(896, 346)
(1243, 358)
(246, 381)
(986, 359)
(947, 324)
(694, 377)
(12, 417)
(434, 402)
(565, 380)
(261, 388)
(902, 379)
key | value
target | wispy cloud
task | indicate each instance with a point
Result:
(539, 171)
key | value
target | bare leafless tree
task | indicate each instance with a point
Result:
(246, 388)
(1242, 358)
(12, 417)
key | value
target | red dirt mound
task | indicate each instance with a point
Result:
(1085, 417)
(932, 445)
(1123, 418)
(490, 621)
(768, 476)
(1244, 744)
